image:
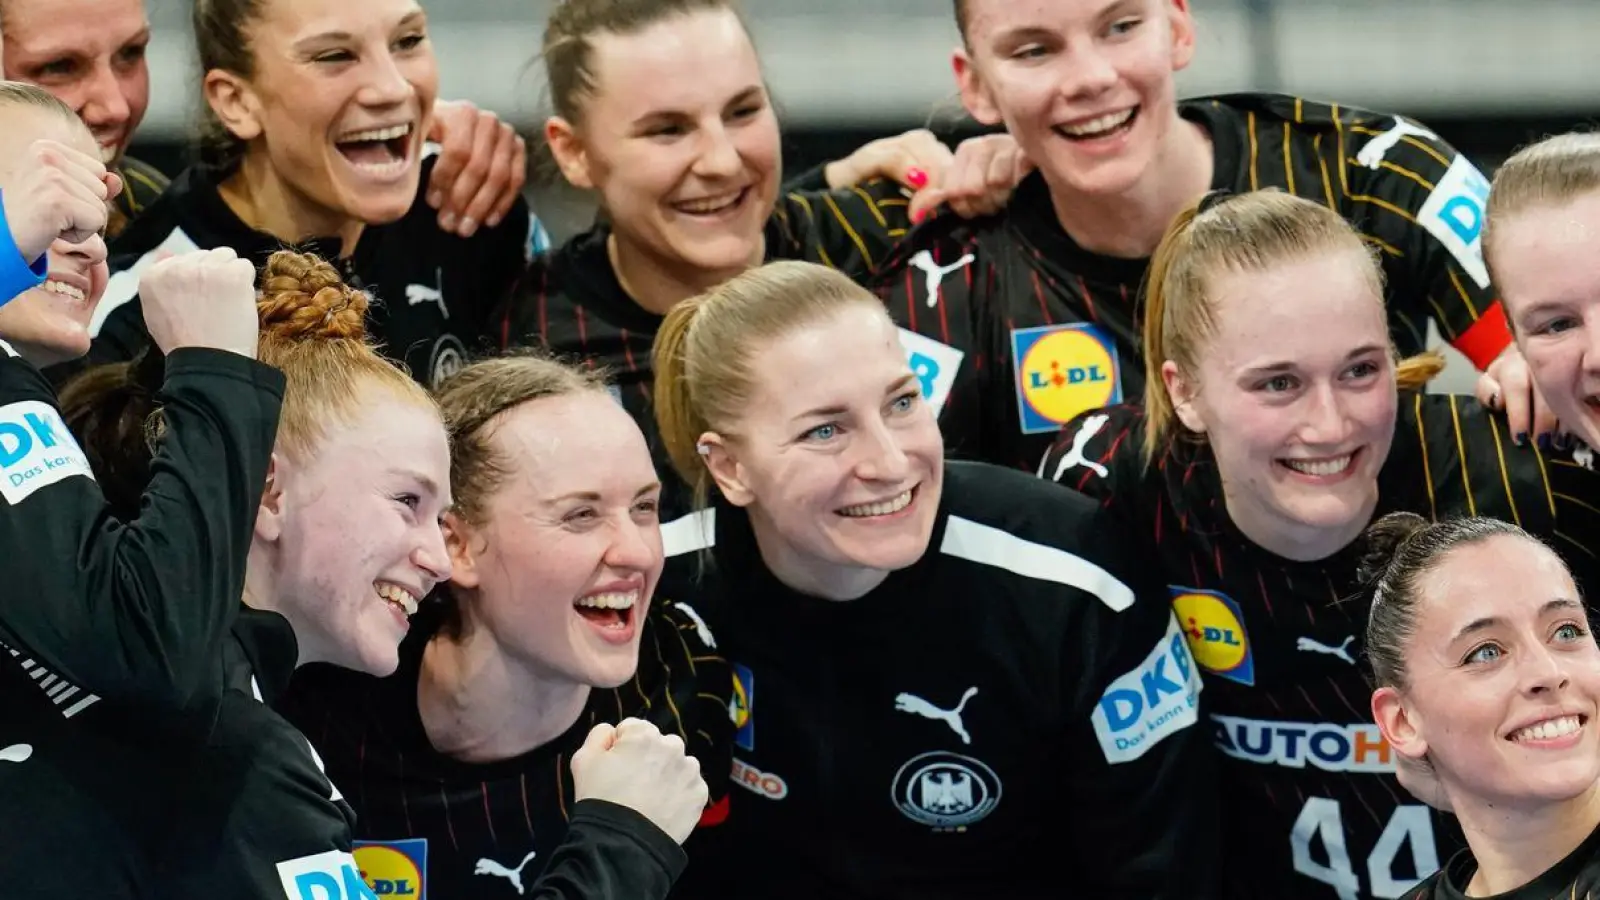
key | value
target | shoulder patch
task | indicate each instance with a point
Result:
(36, 450)
(1453, 214)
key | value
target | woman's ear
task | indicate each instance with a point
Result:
(234, 103)
(725, 469)
(1398, 723)
(270, 511)
(570, 155)
(464, 545)
(1181, 391)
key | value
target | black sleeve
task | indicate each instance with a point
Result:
(1138, 759)
(135, 610)
(610, 851)
(851, 229)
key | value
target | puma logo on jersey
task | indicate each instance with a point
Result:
(487, 866)
(1080, 443)
(1308, 645)
(421, 293)
(16, 753)
(1376, 149)
(933, 273)
(911, 703)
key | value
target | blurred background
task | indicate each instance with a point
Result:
(1488, 75)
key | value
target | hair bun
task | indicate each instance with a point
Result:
(1383, 541)
(304, 299)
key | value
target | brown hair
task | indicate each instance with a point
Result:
(1402, 548)
(568, 48)
(1243, 233)
(705, 351)
(313, 329)
(961, 19)
(473, 402)
(1551, 173)
(222, 41)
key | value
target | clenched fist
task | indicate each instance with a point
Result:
(636, 766)
(202, 299)
(60, 193)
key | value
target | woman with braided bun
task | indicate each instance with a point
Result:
(346, 542)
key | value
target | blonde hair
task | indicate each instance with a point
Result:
(17, 93)
(705, 351)
(314, 329)
(473, 399)
(1244, 233)
(1551, 173)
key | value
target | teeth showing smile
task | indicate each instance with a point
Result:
(709, 205)
(399, 597)
(1097, 126)
(393, 132)
(1549, 729)
(885, 508)
(618, 601)
(1320, 467)
(65, 290)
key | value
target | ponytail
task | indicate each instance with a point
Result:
(678, 419)
(1414, 372)
(1160, 416)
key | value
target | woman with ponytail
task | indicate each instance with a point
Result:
(977, 645)
(1487, 674)
(1276, 426)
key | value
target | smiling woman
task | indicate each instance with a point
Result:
(1487, 673)
(318, 112)
(1277, 425)
(91, 55)
(884, 606)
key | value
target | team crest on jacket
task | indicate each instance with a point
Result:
(449, 356)
(1213, 625)
(1063, 370)
(947, 791)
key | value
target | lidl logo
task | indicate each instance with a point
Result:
(1214, 627)
(739, 708)
(1063, 370)
(396, 869)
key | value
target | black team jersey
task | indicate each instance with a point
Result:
(1012, 715)
(1311, 807)
(571, 302)
(1024, 329)
(434, 828)
(432, 292)
(1577, 877)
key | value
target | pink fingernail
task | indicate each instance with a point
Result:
(916, 177)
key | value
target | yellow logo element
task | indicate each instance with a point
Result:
(1214, 627)
(1063, 370)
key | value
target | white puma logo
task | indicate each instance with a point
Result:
(934, 274)
(1342, 651)
(487, 866)
(917, 706)
(1371, 155)
(1080, 443)
(16, 753)
(422, 293)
